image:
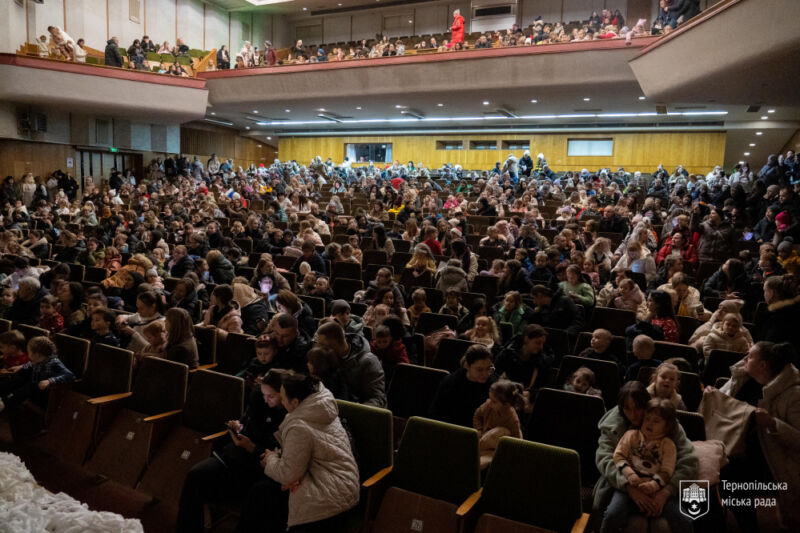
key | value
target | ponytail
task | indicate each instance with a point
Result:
(509, 393)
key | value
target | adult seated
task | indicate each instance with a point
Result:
(224, 313)
(783, 303)
(288, 302)
(292, 344)
(463, 391)
(253, 307)
(266, 278)
(677, 245)
(526, 359)
(555, 310)
(25, 308)
(629, 413)
(362, 371)
(767, 379)
(729, 281)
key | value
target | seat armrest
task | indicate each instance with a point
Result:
(111, 398)
(378, 477)
(375, 488)
(580, 524)
(163, 416)
(214, 436)
(469, 504)
(204, 367)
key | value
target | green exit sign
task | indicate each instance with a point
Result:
(114, 149)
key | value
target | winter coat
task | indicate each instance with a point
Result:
(363, 373)
(561, 314)
(688, 253)
(633, 301)
(781, 398)
(117, 280)
(451, 277)
(315, 450)
(612, 427)
(230, 321)
(781, 324)
(254, 317)
(583, 291)
(718, 340)
(716, 243)
(113, 57)
(26, 311)
(717, 285)
(457, 398)
(457, 30)
(509, 363)
(221, 270)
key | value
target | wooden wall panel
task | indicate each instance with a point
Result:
(792, 144)
(697, 151)
(20, 157)
(204, 141)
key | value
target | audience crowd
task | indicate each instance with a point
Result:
(510, 255)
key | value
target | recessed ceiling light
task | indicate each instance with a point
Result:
(752, 144)
(642, 98)
(439, 105)
(212, 113)
(747, 153)
(485, 102)
(358, 107)
(770, 110)
(534, 101)
(759, 133)
(741, 162)
(340, 4)
(255, 111)
(247, 127)
(259, 146)
(586, 99)
(269, 138)
(764, 117)
(321, 109)
(305, 9)
(288, 110)
(398, 106)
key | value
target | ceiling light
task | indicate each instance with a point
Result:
(485, 102)
(741, 162)
(247, 127)
(305, 9)
(269, 138)
(412, 113)
(752, 144)
(398, 106)
(747, 153)
(212, 113)
(759, 133)
(221, 122)
(288, 110)
(642, 98)
(328, 116)
(340, 4)
(534, 101)
(321, 109)
(439, 105)
(255, 111)
(764, 117)
(586, 99)
(770, 110)
(259, 146)
(357, 107)
(266, 2)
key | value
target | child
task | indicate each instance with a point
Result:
(664, 385)
(582, 381)
(727, 335)
(155, 333)
(32, 380)
(590, 269)
(496, 269)
(541, 272)
(418, 307)
(44, 49)
(389, 350)
(643, 349)
(646, 457)
(6, 300)
(12, 348)
(154, 279)
(266, 348)
(324, 365)
(630, 297)
(49, 317)
(452, 305)
(497, 417)
(102, 320)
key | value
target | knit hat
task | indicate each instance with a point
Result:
(423, 249)
(339, 306)
(244, 294)
(786, 244)
(782, 220)
(152, 272)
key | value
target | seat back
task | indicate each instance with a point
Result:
(234, 352)
(412, 389)
(345, 288)
(430, 322)
(73, 352)
(206, 339)
(693, 424)
(316, 304)
(687, 326)
(449, 354)
(489, 523)
(109, 371)
(569, 420)
(371, 428)
(614, 320)
(401, 508)
(346, 269)
(213, 399)
(690, 388)
(428, 449)
(719, 365)
(605, 372)
(511, 489)
(160, 386)
(558, 341)
(31, 331)
(665, 350)
(5, 325)
(617, 348)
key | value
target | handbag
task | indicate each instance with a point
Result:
(727, 419)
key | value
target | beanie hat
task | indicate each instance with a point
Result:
(339, 306)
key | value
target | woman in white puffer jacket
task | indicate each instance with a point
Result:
(316, 462)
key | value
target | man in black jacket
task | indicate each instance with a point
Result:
(181, 263)
(292, 344)
(113, 57)
(555, 310)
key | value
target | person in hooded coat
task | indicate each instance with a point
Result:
(224, 313)
(253, 308)
(457, 28)
(220, 269)
(452, 276)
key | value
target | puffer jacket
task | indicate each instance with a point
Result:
(231, 322)
(780, 325)
(781, 398)
(716, 243)
(134, 265)
(718, 340)
(452, 277)
(315, 451)
(363, 373)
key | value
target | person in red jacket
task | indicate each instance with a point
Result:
(457, 28)
(677, 243)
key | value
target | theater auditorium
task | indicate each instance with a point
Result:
(383, 266)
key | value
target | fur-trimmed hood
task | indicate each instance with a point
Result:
(783, 304)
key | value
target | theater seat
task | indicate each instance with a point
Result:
(411, 392)
(435, 471)
(449, 354)
(719, 365)
(158, 394)
(605, 372)
(212, 400)
(530, 487)
(430, 322)
(614, 320)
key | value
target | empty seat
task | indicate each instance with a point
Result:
(158, 394)
(719, 365)
(511, 502)
(569, 420)
(316, 304)
(206, 339)
(95, 274)
(346, 269)
(73, 352)
(449, 354)
(412, 390)
(212, 400)
(614, 320)
(371, 430)
(345, 288)
(606, 373)
(665, 350)
(430, 322)
(374, 257)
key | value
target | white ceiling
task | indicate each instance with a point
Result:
(295, 7)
